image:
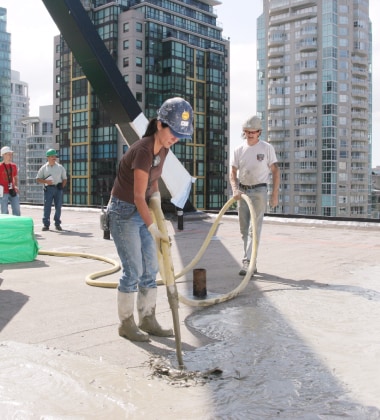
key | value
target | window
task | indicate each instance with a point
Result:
(139, 79)
(125, 61)
(342, 98)
(343, 42)
(342, 120)
(80, 119)
(138, 96)
(139, 44)
(126, 44)
(138, 62)
(139, 27)
(126, 27)
(343, 20)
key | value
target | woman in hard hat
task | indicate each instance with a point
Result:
(131, 224)
(9, 183)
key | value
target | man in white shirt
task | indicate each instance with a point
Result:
(256, 162)
(53, 176)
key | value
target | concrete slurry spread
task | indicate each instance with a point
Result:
(302, 340)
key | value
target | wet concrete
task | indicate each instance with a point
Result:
(302, 340)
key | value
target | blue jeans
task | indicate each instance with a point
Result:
(15, 204)
(52, 193)
(258, 197)
(135, 246)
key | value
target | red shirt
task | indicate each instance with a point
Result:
(12, 172)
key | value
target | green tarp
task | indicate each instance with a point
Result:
(17, 241)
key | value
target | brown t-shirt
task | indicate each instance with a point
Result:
(139, 156)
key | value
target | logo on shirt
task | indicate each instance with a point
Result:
(260, 157)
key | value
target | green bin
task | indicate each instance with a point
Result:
(17, 240)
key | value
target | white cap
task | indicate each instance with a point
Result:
(6, 149)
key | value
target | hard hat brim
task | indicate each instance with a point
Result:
(180, 135)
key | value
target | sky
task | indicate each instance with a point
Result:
(32, 31)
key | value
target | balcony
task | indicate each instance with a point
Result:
(356, 81)
(308, 66)
(278, 72)
(308, 44)
(275, 62)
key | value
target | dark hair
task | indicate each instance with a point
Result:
(152, 127)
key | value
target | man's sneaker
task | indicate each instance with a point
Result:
(58, 227)
(244, 269)
(45, 228)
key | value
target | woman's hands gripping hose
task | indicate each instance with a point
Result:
(157, 235)
(153, 229)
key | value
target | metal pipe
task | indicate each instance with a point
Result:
(199, 282)
(180, 219)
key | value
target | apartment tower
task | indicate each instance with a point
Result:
(19, 110)
(163, 48)
(39, 139)
(5, 81)
(314, 95)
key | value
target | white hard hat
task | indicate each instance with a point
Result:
(253, 123)
(6, 149)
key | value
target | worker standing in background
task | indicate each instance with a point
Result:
(9, 193)
(53, 176)
(256, 162)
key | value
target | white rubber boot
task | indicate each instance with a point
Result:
(146, 308)
(128, 328)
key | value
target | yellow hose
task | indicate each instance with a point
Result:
(90, 279)
(165, 261)
(233, 293)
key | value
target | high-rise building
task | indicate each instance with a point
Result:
(315, 97)
(5, 81)
(163, 48)
(19, 110)
(39, 138)
(376, 192)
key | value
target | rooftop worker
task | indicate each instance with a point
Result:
(256, 161)
(9, 183)
(53, 176)
(131, 224)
